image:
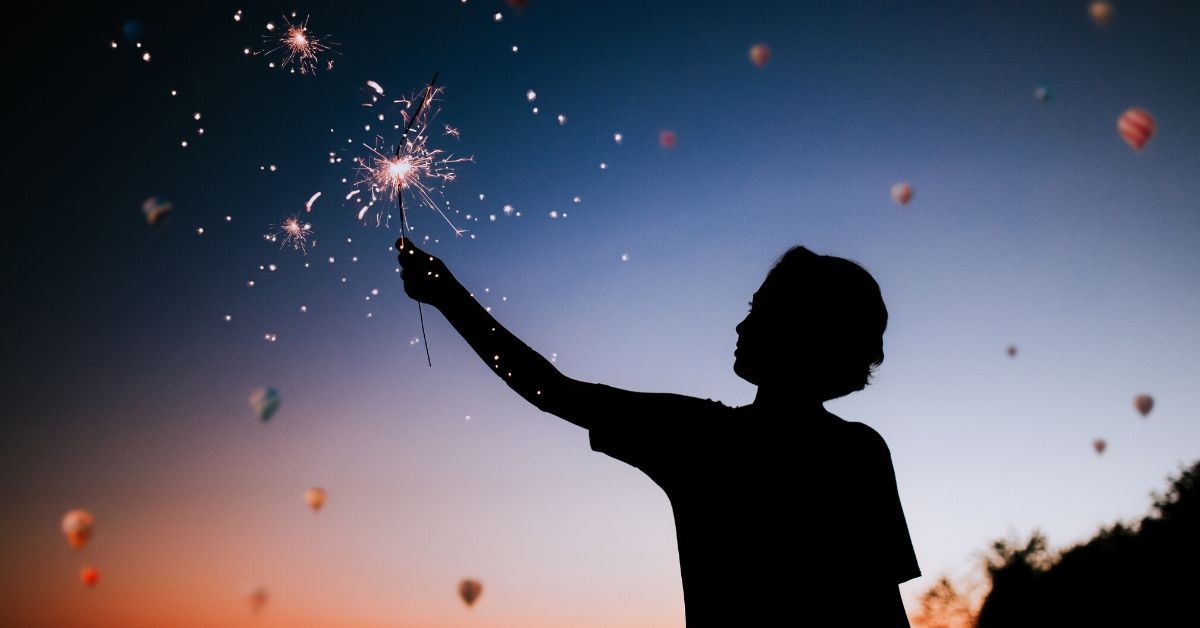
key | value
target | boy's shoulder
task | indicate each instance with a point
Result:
(864, 437)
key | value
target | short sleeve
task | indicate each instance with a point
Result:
(653, 431)
(887, 536)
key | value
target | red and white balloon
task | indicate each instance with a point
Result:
(1136, 127)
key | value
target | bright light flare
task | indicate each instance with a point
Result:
(415, 169)
(299, 47)
(292, 232)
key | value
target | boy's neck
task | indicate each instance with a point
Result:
(789, 401)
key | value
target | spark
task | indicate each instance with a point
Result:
(531, 95)
(617, 137)
(304, 308)
(562, 120)
(554, 213)
(498, 17)
(624, 257)
(183, 144)
(413, 168)
(114, 45)
(228, 318)
(311, 200)
(299, 47)
(603, 166)
(375, 86)
(196, 116)
(199, 230)
(237, 17)
(294, 233)
(514, 49)
(576, 199)
(453, 132)
(270, 337)
(146, 57)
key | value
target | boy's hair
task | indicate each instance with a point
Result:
(841, 303)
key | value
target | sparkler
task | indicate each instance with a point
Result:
(414, 167)
(300, 47)
(413, 163)
(293, 232)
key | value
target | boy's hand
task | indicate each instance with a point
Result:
(425, 277)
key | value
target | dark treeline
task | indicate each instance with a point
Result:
(1144, 574)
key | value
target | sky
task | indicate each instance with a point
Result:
(125, 388)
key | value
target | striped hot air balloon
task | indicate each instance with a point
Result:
(1136, 126)
(902, 193)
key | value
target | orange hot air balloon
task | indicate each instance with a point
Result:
(314, 497)
(1136, 126)
(77, 525)
(1099, 445)
(666, 139)
(1101, 12)
(1012, 351)
(902, 193)
(469, 590)
(1143, 403)
(760, 54)
(90, 576)
(257, 598)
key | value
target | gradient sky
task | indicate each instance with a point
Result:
(125, 389)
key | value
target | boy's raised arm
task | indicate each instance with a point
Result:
(532, 376)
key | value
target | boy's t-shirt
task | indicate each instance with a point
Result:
(772, 514)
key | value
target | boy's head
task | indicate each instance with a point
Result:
(815, 326)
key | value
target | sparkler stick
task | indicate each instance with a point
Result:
(400, 200)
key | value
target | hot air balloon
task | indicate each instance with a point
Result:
(77, 525)
(1136, 126)
(1101, 12)
(257, 599)
(902, 193)
(314, 497)
(156, 211)
(90, 576)
(1012, 351)
(1042, 93)
(264, 402)
(760, 54)
(1099, 445)
(1143, 403)
(666, 139)
(469, 590)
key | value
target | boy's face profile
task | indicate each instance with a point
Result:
(771, 338)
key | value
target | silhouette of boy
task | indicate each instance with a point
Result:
(784, 513)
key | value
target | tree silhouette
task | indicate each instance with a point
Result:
(1142, 574)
